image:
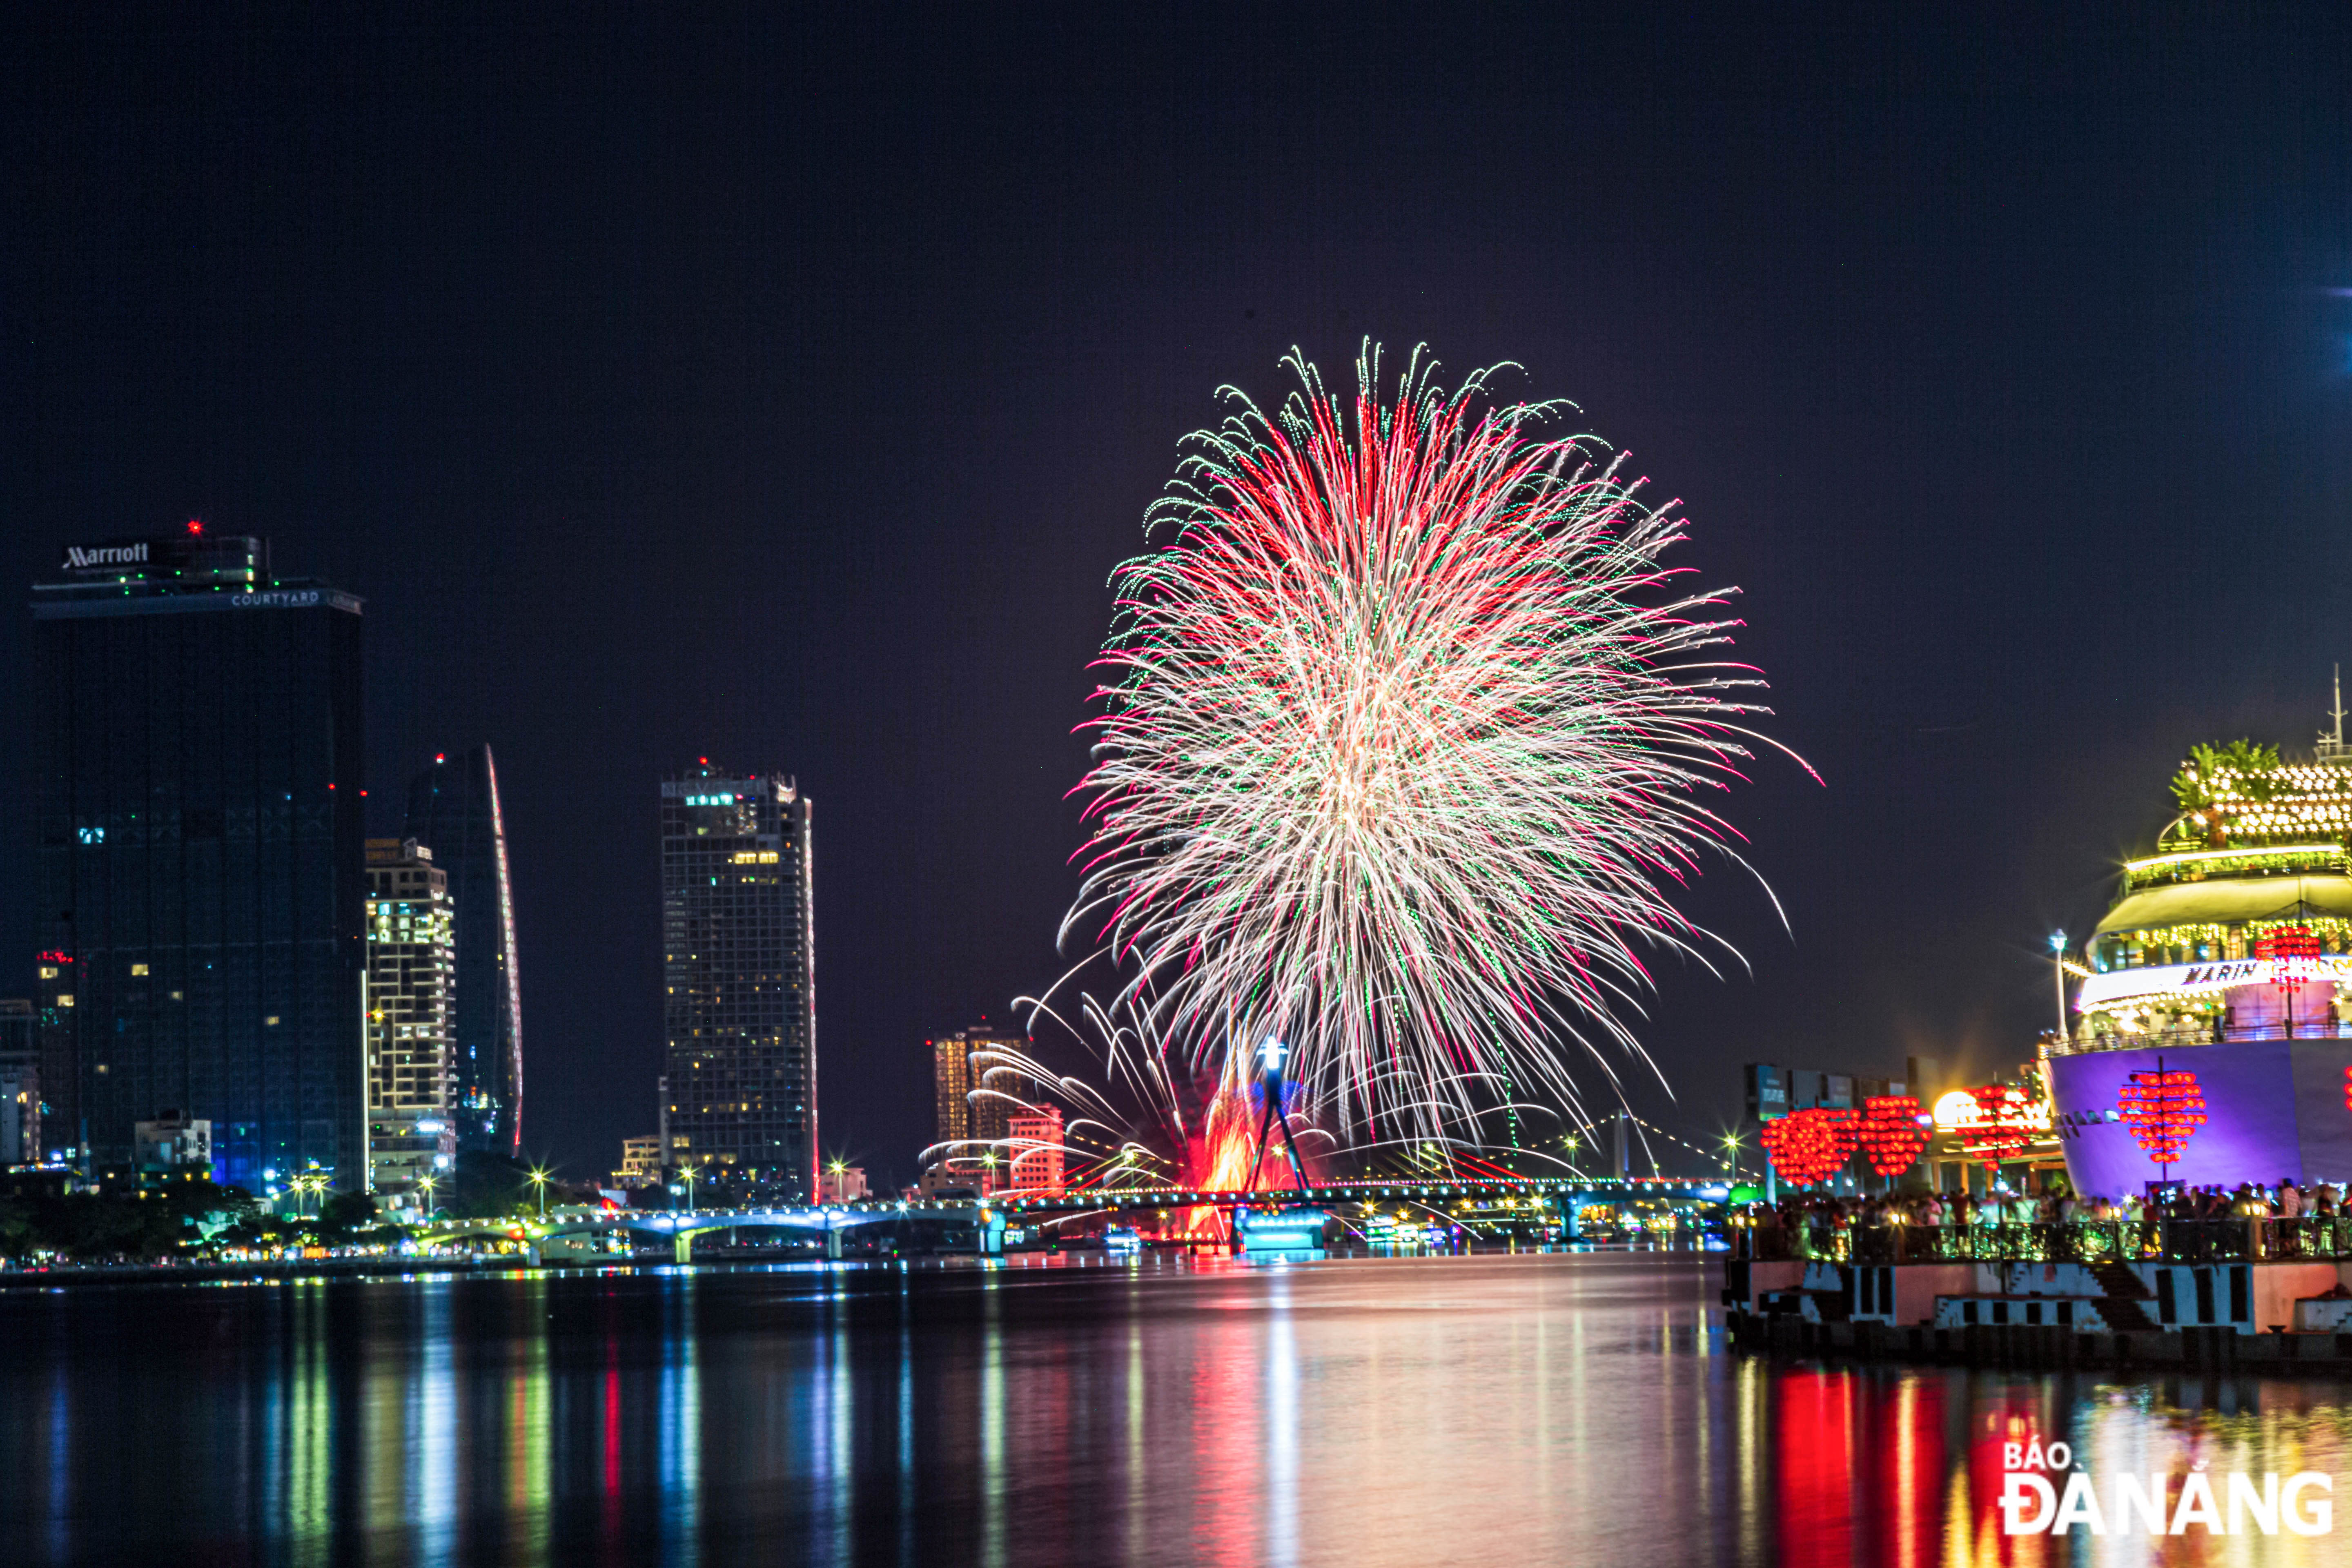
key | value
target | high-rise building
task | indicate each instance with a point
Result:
(452, 808)
(962, 1117)
(200, 907)
(412, 1000)
(950, 1089)
(1034, 1136)
(20, 1083)
(739, 972)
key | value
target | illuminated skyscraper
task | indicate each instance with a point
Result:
(412, 989)
(201, 906)
(950, 1089)
(739, 972)
(961, 1117)
(453, 809)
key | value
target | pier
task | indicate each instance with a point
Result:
(2256, 1293)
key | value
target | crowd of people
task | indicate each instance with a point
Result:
(1813, 1210)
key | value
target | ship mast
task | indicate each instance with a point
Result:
(2331, 746)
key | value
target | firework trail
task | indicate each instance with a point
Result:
(1403, 728)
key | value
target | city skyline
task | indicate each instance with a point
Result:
(657, 434)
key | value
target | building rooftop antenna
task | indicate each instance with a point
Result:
(2331, 744)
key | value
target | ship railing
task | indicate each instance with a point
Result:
(2188, 1040)
(2234, 1238)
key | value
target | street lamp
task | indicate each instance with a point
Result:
(687, 1172)
(426, 1183)
(2058, 977)
(1731, 1152)
(539, 1180)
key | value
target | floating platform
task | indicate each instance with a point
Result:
(2255, 1315)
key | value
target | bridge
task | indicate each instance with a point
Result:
(986, 1228)
(1569, 1194)
(980, 1223)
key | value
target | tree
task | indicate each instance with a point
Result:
(486, 1186)
(344, 1214)
(2215, 778)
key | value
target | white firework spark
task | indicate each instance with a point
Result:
(1403, 730)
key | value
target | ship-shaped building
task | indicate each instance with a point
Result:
(2227, 957)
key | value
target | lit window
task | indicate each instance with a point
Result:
(64, 999)
(138, 969)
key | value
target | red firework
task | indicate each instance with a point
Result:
(1891, 1134)
(2165, 1109)
(1807, 1146)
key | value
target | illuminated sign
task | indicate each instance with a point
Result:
(1962, 1111)
(2190, 979)
(91, 557)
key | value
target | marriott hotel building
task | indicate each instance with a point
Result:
(199, 856)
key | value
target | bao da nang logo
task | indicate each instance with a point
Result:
(2043, 1493)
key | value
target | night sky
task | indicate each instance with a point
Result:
(784, 390)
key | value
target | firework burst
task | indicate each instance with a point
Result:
(1403, 729)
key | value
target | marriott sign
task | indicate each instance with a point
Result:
(91, 557)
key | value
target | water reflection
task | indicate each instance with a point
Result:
(1517, 1409)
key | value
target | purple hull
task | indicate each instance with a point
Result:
(2274, 1107)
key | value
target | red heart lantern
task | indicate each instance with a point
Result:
(2165, 1111)
(1891, 1134)
(1808, 1145)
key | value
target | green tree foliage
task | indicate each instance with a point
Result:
(2213, 776)
(118, 1222)
(486, 1186)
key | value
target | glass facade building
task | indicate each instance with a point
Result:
(198, 852)
(453, 810)
(739, 973)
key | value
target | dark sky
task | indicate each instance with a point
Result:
(784, 390)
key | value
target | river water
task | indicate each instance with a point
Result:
(1556, 1409)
